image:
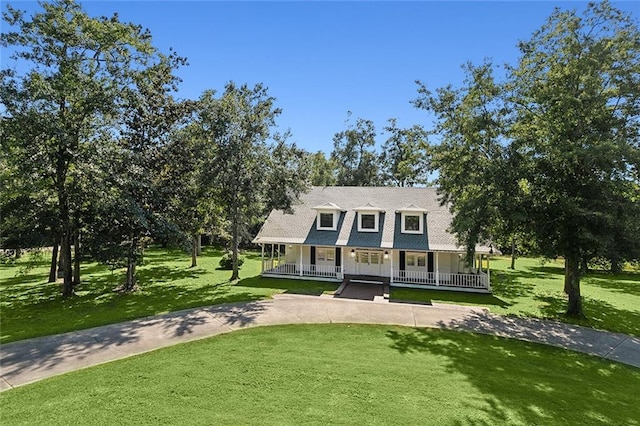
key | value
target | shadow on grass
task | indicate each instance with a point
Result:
(627, 283)
(288, 286)
(536, 383)
(46, 356)
(599, 314)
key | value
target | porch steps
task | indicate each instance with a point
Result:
(365, 279)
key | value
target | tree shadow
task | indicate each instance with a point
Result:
(42, 357)
(626, 283)
(512, 284)
(598, 314)
(535, 384)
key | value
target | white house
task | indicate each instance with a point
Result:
(397, 236)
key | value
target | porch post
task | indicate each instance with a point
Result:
(300, 260)
(342, 262)
(278, 254)
(262, 259)
(437, 270)
(272, 247)
(391, 265)
(488, 275)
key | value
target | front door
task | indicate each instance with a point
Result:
(369, 262)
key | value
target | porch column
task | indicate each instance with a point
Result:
(300, 272)
(262, 259)
(437, 270)
(488, 275)
(272, 247)
(391, 265)
(342, 262)
(278, 254)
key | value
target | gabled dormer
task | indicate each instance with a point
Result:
(328, 215)
(368, 217)
(412, 219)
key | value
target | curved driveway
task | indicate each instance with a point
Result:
(35, 359)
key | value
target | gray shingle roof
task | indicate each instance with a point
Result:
(300, 227)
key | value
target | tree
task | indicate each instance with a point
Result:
(470, 156)
(250, 176)
(405, 158)
(323, 170)
(131, 210)
(575, 93)
(77, 70)
(353, 154)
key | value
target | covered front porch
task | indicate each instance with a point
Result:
(402, 268)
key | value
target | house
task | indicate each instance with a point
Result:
(398, 236)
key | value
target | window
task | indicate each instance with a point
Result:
(416, 259)
(325, 254)
(326, 220)
(368, 221)
(412, 223)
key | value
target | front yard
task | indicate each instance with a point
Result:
(535, 289)
(30, 307)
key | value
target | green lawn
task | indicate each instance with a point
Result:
(338, 374)
(30, 307)
(610, 301)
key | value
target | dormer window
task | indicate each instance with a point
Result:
(326, 220)
(368, 218)
(327, 217)
(412, 221)
(368, 221)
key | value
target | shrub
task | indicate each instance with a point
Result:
(226, 262)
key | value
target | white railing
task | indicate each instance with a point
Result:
(414, 277)
(328, 271)
(444, 279)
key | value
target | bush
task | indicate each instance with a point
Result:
(226, 262)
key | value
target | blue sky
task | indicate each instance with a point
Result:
(322, 59)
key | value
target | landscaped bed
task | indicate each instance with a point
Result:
(338, 374)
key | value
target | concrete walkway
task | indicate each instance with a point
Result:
(31, 360)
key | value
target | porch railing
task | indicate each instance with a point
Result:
(323, 271)
(479, 280)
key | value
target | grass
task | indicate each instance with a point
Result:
(31, 307)
(535, 289)
(338, 374)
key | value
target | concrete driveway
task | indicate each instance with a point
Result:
(31, 360)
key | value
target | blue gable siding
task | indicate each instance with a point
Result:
(324, 238)
(366, 239)
(410, 241)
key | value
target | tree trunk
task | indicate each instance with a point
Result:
(572, 285)
(616, 268)
(194, 251)
(584, 265)
(60, 272)
(199, 251)
(18, 253)
(54, 262)
(513, 253)
(65, 247)
(234, 249)
(76, 257)
(130, 284)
